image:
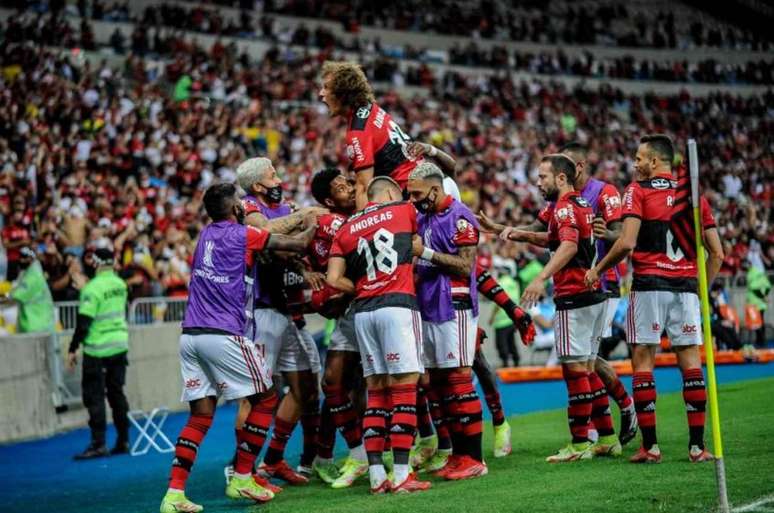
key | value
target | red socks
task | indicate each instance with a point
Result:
(279, 439)
(434, 398)
(186, 448)
(251, 437)
(495, 407)
(619, 394)
(326, 435)
(579, 403)
(375, 423)
(344, 415)
(424, 420)
(695, 397)
(467, 415)
(644, 391)
(310, 424)
(600, 407)
(404, 420)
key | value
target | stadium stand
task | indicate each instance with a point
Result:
(81, 137)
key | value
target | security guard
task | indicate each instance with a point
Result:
(31, 292)
(101, 327)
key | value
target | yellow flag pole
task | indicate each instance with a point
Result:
(712, 387)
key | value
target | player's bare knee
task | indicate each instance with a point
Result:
(204, 407)
(688, 357)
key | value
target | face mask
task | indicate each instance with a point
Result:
(426, 204)
(89, 270)
(274, 194)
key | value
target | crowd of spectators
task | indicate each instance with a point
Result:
(169, 21)
(91, 154)
(540, 21)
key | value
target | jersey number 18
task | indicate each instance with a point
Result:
(385, 259)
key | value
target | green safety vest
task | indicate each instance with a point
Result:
(36, 308)
(104, 300)
(758, 287)
(511, 288)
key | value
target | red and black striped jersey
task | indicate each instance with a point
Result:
(659, 262)
(320, 247)
(572, 220)
(377, 246)
(375, 140)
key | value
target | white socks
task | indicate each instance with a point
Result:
(377, 475)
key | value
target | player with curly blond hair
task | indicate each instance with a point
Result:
(376, 145)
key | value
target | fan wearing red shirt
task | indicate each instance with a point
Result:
(376, 145)
(15, 236)
(664, 290)
(372, 258)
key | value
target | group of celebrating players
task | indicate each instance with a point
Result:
(391, 254)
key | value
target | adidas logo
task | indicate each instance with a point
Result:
(650, 407)
(244, 446)
(397, 428)
(370, 432)
(175, 462)
(690, 407)
(450, 356)
(607, 411)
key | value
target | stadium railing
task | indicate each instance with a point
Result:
(148, 310)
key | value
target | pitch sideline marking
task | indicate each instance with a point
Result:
(756, 505)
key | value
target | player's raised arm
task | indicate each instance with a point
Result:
(263, 205)
(295, 243)
(445, 161)
(362, 179)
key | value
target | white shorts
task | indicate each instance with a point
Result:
(653, 311)
(390, 340)
(450, 344)
(343, 337)
(221, 365)
(612, 307)
(577, 332)
(280, 343)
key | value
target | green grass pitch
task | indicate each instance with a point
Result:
(524, 482)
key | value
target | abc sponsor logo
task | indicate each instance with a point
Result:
(193, 383)
(689, 328)
(655, 327)
(392, 357)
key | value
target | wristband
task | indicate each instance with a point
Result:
(433, 151)
(427, 254)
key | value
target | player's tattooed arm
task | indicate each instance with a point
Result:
(461, 264)
(335, 276)
(295, 243)
(286, 224)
